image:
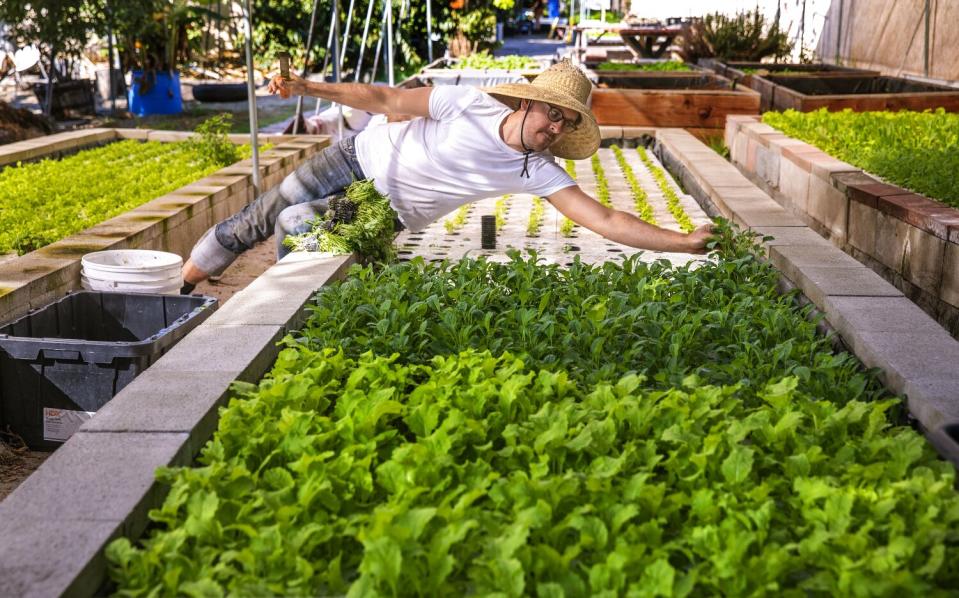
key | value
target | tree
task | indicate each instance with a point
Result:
(57, 27)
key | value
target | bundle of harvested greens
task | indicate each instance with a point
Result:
(362, 221)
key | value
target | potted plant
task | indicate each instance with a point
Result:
(154, 39)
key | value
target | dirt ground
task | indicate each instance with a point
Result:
(20, 462)
(16, 466)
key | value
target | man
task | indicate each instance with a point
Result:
(462, 144)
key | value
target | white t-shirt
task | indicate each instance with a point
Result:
(428, 167)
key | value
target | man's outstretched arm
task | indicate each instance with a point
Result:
(378, 99)
(625, 228)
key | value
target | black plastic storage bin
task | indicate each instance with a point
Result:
(61, 362)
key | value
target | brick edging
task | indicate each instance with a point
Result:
(910, 240)
(922, 212)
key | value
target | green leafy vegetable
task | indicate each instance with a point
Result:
(917, 150)
(567, 226)
(602, 186)
(672, 200)
(501, 209)
(520, 428)
(640, 197)
(46, 201)
(458, 220)
(484, 60)
(536, 214)
(665, 66)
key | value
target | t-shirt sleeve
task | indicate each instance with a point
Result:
(547, 179)
(449, 101)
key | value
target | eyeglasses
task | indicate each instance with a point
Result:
(555, 115)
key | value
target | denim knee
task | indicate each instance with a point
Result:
(296, 220)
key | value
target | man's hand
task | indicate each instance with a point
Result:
(699, 237)
(286, 87)
(625, 228)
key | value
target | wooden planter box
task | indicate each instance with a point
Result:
(687, 100)
(910, 240)
(737, 71)
(857, 91)
(172, 222)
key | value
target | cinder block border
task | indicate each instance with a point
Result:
(171, 222)
(910, 240)
(917, 357)
(100, 484)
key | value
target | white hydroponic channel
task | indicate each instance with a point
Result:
(436, 243)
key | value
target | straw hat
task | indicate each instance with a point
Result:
(561, 85)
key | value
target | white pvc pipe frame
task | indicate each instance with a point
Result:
(339, 56)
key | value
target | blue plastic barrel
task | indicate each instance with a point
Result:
(155, 92)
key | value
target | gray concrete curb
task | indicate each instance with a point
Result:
(917, 357)
(100, 484)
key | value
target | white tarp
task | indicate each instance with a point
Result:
(790, 14)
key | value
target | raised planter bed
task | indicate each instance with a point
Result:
(858, 91)
(172, 222)
(910, 240)
(449, 71)
(698, 100)
(744, 71)
(526, 460)
(643, 67)
(753, 75)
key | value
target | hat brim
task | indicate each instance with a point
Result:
(575, 145)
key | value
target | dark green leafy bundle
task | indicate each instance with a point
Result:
(363, 222)
(653, 67)
(917, 150)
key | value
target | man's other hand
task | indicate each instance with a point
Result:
(286, 87)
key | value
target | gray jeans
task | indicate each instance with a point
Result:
(283, 210)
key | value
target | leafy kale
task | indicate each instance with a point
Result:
(362, 222)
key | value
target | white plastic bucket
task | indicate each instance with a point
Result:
(132, 271)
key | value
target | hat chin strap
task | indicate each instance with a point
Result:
(526, 150)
